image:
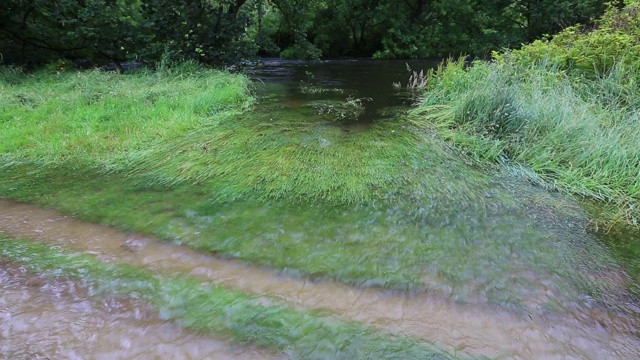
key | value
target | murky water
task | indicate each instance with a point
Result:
(300, 82)
(56, 319)
(473, 330)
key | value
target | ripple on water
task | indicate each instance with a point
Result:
(55, 319)
(473, 329)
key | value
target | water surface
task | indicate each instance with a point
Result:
(58, 319)
(471, 330)
(481, 264)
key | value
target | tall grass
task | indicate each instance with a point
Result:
(184, 125)
(96, 117)
(579, 135)
(172, 154)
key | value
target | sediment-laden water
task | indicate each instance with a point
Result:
(57, 319)
(473, 330)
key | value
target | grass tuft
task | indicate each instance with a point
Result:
(97, 118)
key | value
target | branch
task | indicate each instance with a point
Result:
(43, 44)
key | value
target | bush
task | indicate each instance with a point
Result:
(614, 39)
(567, 109)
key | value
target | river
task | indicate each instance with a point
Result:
(502, 280)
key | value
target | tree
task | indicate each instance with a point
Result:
(226, 31)
(39, 29)
(205, 31)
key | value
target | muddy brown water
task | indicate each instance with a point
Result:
(468, 330)
(56, 319)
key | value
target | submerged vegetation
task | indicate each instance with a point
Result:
(440, 201)
(214, 309)
(178, 154)
(347, 111)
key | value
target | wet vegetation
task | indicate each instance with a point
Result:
(413, 214)
(207, 309)
(565, 108)
(511, 185)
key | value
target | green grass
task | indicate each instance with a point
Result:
(214, 309)
(566, 110)
(469, 252)
(577, 135)
(236, 163)
(97, 117)
(284, 188)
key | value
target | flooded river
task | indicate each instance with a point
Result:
(464, 329)
(57, 319)
(501, 281)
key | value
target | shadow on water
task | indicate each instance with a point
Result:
(333, 82)
(589, 333)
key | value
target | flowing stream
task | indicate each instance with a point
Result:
(479, 331)
(57, 319)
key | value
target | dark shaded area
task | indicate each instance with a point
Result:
(97, 32)
(230, 31)
(334, 82)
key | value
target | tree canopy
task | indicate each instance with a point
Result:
(226, 31)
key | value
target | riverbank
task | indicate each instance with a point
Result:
(560, 113)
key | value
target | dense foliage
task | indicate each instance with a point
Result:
(591, 51)
(118, 30)
(226, 31)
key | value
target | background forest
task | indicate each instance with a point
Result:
(229, 31)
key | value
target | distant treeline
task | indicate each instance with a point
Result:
(228, 31)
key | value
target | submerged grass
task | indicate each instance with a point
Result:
(207, 178)
(184, 126)
(463, 252)
(389, 206)
(214, 309)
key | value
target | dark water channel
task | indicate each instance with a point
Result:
(517, 277)
(300, 83)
